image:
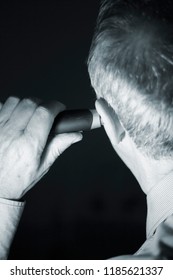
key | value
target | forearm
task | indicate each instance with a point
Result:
(27, 152)
(10, 214)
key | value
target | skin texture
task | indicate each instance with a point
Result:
(147, 171)
(26, 150)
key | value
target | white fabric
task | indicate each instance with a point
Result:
(159, 203)
(10, 214)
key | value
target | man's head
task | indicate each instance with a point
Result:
(131, 68)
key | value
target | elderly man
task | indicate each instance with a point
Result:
(130, 67)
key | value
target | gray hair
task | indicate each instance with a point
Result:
(131, 66)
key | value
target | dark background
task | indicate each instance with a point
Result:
(89, 206)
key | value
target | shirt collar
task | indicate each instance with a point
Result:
(160, 203)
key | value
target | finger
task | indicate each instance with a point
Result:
(8, 108)
(23, 112)
(56, 147)
(41, 122)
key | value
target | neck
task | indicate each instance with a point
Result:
(151, 171)
(148, 172)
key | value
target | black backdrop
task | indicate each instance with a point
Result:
(88, 206)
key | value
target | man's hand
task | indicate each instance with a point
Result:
(26, 153)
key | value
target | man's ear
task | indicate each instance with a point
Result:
(110, 121)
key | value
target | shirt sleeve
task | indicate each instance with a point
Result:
(10, 214)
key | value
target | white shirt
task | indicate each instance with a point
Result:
(159, 203)
(10, 214)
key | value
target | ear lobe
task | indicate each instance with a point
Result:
(110, 121)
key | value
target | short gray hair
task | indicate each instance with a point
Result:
(131, 66)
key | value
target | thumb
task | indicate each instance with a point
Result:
(56, 147)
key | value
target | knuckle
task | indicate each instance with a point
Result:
(44, 112)
(60, 106)
(34, 100)
(29, 102)
(13, 99)
(53, 107)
